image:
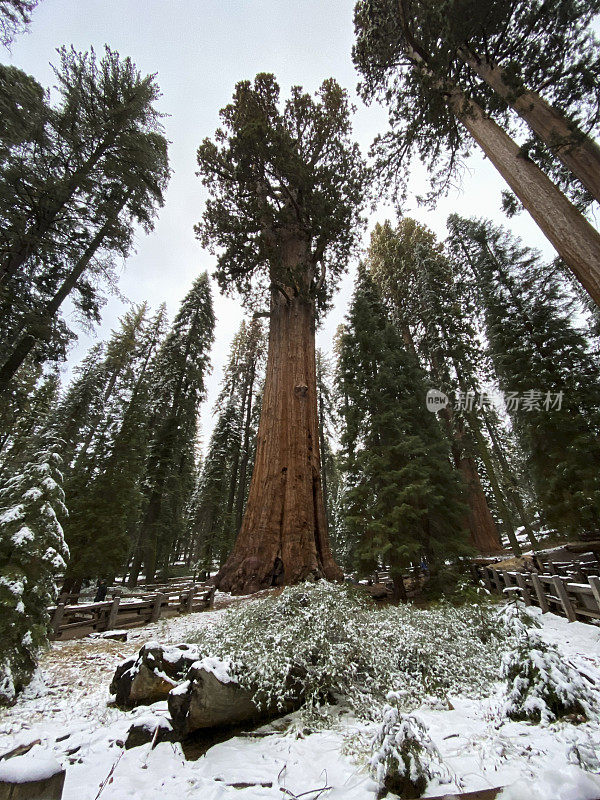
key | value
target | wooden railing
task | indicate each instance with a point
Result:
(73, 621)
(551, 592)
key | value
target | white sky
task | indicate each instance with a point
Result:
(200, 49)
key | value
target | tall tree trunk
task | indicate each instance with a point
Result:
(283, 538)
(573, 147)
(241, 496)
(31, 240)
(28, 339)
(572, 236)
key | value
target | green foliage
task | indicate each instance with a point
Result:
(276, 176)
(411, 54)
(535, 349)
(404, 758)
(177, 391)
(404, 500)
(328, 641)
(540, 684)
(76, 180)
(32, 552)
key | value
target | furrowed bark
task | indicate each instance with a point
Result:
(576, 150)
(283, 538)
(571, 235)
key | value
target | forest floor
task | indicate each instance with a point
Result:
(68, 708)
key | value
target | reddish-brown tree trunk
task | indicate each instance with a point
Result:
(484, 533)
(578, 152)
(569, 232)
(283, 538)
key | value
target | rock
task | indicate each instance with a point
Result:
(151, 676)
(210, 698)
(151, 728)
(117, 636)
(31, 777)
(378, 591)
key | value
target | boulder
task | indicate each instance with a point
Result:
(150, 676)
(35, 776)
(210, 697)
(378, 591)
(151, 728)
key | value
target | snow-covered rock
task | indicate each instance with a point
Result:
(211, 697)
(152, 674)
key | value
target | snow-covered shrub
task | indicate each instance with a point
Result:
(32, 551)
(404, 758)
(324, 641)
(541, 685)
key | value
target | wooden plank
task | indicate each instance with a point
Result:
(522, 583)
(594, 583)
(565, 600)
(497, 580)
(540, 593)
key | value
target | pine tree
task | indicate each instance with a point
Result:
(404, 499)
(74, 186)
(15, 16)
(286, 190)
(538, 355)
(104, 474)
(222, 484)
(435, 113)
(169, 475)
(32, 552)
(416, 281)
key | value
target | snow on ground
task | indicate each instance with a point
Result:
(68, 708)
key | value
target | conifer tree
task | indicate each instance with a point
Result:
(104, 475)
(416, 281)
(435, 113)
(545, 369)
(74, 185)
(286, 188)
(169, 474)
(32, 552)
(404, 500)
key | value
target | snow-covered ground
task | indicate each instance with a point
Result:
(68, 709)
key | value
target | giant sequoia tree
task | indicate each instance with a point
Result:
(286, 188)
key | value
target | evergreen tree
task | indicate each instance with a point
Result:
(32, 552)
(15, 16)
(104, 473)
(74, 185)
(286, 188)
(544, 367)
(416, 281)
(169, 473)
(404, 500)
(222, 485)
(408, 62)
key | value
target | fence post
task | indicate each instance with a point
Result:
(522, 583)
(559, 585)
(552, 568)
(112, 614)
(594, 582)
(190, 599)
(497, 579)
(157, 607)
(541, 594)
(57, 618)
(211, 596)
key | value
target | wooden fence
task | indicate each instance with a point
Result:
(576, 600)
(74, 621)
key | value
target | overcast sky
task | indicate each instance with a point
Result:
(199, 50)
